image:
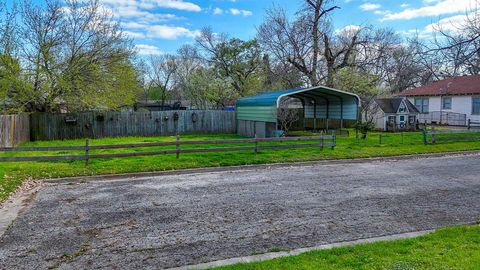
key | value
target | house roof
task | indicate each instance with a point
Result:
(463, 85)
(390, 105)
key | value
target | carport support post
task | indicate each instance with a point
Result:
(256, 145)
(322, 140)
(177, 146)
(334, 139)
(87, 142)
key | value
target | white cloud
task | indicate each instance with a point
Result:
(132, 34)
(433, 8)
(369, 6)
(217, 11)
(243, 12)
(176, 4)
(151, 4)
(144, 49)
(381, 12)
(404, 5)
(348, 29)
(449, 24)
(169, 32)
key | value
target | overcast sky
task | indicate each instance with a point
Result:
(162, 26)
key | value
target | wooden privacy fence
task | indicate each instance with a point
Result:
(14, 129)
(45, 126)
(321, 142)
(433, 135)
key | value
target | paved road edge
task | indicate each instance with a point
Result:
(132, 176)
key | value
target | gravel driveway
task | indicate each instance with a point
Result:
(168, 221)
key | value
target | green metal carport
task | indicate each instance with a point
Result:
(258, 114)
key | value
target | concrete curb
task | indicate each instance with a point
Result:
(132, 176)
(275, 255)
(13, 207)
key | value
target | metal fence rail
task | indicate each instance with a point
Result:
(433, 135)
(322, 141)
(443, 118)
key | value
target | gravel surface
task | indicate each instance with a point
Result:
(169, 221)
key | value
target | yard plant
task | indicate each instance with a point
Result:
(448, 248)
(12, 174)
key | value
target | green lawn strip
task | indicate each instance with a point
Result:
(13, 173)
(449, 248)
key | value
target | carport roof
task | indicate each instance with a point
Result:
(265, 98)
(272, 98)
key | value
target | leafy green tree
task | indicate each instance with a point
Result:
(366, 86)
(74, 57)
(235, 60)
(206, 91)
(15, 92)
(356, 81)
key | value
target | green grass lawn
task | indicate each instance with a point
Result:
(13, 173)
(449, 248)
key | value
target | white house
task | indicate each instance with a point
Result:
(452, 101)
(392, 114)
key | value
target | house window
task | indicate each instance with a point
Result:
(421, 104)
(476, 105)
(402, 118)
(447, 103)
(401, 109)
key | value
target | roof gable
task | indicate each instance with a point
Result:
(463, 85)
(392, 105)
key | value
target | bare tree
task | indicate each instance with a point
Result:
(454, 47)
(161, 74)
(286, 116)
(188, 62)
(309, 44)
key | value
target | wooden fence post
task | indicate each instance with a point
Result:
(433, 134)
(87, 143)
(177, 146)
(469, 124)
(424, 135)
(334, 139)
(256, 145)
(322, 140)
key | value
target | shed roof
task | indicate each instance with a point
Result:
(391, 105)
